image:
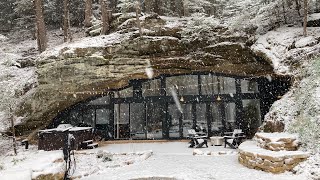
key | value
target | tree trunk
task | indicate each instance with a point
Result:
(147, 6)
(66, 21)
(138, 11)
(298, 7)
(13, 132)
(185, 8)
(284, 11)
(40, 26)
(305, 16)
(88, 13)
(173, 6)
(104, 17)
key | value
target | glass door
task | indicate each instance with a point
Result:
(103, 124)
(121, 121)
(155, 115)
(137, 121)
(173, 122)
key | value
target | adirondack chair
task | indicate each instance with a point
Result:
(197, 140)
(233, 139)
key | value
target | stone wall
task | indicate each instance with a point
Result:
(283, 142)
(253, 156)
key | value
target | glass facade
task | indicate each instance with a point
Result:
(213, 102)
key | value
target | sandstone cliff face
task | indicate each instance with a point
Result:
(73, 72)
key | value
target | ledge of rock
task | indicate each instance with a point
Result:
(277, 141)
(97, 64)
(255, 157)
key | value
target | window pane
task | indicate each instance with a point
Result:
(183, 85)
(209, 84)
(174, 115)
(100, 101)
(216, 124)
(88, 117)
(121, 120)
(201, 117)
(137, 120)
(75, 118)
(128, 92)
(155, 116)
(249, 86)
(151, 88)
(230, 114)
(102, 116)
(252, 116)
(187, 122)
(227, 85)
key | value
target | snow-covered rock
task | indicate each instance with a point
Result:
(306, 41)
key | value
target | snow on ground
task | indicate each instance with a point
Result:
(140, 160)
(33, 161)
(287, 45)
(175, 160)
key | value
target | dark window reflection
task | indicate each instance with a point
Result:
(137, 119)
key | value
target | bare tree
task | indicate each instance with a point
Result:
(66, 21)
(88, 13)
(13, 132)
(104, 17)
(298, 7)
(305, 18)
(41, 32)
(284, 11)
(138, 12)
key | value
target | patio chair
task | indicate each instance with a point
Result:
(233, 139)
(196, 140)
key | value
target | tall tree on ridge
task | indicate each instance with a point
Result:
(88, 13)
(305, 16)
(104, 17)
(40, 26)
(138, 12)
(66, 21)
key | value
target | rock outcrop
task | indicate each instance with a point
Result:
(75, 71)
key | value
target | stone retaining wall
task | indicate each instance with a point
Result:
(254, 157)
(277, 141)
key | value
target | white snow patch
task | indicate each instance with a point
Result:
(306, 41)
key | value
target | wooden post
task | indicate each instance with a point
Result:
(40, 26)
(138, 11)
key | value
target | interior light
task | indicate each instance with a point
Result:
(218, 98)
(181, 99)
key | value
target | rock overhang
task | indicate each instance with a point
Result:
(98, 64)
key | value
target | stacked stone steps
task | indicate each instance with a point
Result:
(271, 152)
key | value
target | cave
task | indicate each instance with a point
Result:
(166, 106)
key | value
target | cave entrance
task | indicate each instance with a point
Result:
(167, 106)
